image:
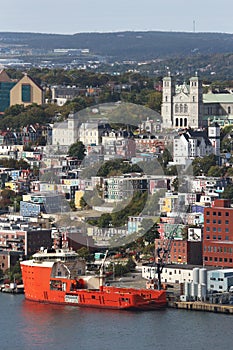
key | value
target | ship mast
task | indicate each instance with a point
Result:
(102, 270)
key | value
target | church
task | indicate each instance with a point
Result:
(185, 105)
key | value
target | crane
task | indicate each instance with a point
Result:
(162, 255)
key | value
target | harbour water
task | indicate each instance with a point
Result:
(28, 325)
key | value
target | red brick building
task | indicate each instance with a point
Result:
(218, 234)
(182, 251)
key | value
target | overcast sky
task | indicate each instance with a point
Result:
(74, 16)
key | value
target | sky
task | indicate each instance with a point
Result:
(75, 16)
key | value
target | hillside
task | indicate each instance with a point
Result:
(128, 45)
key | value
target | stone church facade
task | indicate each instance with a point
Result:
(182, 105)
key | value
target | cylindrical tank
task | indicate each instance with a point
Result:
(203, 276)
(194, 290)
(203, 291)
(196, 275)
(187, 289)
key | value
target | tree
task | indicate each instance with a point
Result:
(228, 192)
(105, 220)
(78, 150)
(215, 171)
(201, 166)
(85, 254)
(154, 100)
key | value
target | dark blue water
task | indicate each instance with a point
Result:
(28, 325)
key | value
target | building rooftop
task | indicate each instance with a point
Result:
(217, 98)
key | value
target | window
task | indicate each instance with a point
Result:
(227, 213)
(214, 213)
(219, 222)
(219, 213)
(26, 93)
(227, 222)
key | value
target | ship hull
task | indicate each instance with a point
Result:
(41, 286)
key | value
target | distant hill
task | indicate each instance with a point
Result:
(128, 45)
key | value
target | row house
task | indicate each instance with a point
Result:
(23, 238)
(208, 185)
(118, 188)
(149, 143)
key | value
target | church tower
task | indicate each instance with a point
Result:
(195, 104)
(73, 124)
(167, 101)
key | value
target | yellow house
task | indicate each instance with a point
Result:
(25, 92)
(166, 205)
(11, 185)
(78, 196)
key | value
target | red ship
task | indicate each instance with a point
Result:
(58, 276)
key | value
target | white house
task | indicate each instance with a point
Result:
(65, 133)
(191, 144)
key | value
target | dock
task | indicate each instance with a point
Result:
(202, 306)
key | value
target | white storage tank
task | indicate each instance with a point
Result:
(196, 275)
(187, 289)
(203, 291)
(203, 276)
(194, 290)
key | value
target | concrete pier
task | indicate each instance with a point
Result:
(200, 306)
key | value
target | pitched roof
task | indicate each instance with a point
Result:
(197, 134)
(4, 77)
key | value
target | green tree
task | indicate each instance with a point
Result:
(78, 150)
(154, 100)
(228, 192)
(215, 170)
(105, 220)
(201, 166)
(85, 254)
